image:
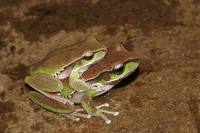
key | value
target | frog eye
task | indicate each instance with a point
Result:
(89, 55)
(118, 69)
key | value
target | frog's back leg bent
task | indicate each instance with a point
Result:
(66, 110)
(50, 87)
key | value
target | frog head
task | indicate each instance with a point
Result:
(117, 64)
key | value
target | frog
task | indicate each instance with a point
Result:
(49, 76)
(88, 75)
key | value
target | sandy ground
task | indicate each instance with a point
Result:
(162, 96)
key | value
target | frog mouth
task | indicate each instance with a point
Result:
(101, 88)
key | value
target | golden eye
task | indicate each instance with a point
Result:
(118, 69)
(89, 55)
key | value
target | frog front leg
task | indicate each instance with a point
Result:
(93, 110)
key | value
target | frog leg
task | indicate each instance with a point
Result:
(66, 91)
(71, 117)
(75, 116)
(90, 108)
(106, 111)
(48, 103)
(49, 86)
(63, 96)
(55, 106)
(56, 97)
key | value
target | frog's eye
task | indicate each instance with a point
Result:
(89, 55)
(118, 69)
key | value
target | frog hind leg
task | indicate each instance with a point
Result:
(48, 86)
(55, 106)
(90, 108)
(76, 114)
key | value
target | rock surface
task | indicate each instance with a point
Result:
(163, 96)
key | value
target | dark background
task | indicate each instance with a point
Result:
(162, 96)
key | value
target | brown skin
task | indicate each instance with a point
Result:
(69, 53)
(109, 61)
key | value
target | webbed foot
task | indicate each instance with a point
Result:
(101, 112)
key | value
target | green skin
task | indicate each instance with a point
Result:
(45, 83)
(90, 91)
(42, 80)
(42, 77)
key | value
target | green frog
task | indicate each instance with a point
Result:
(73, 76)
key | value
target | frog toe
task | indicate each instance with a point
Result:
(102, 112)
(71, 117)
(105, 118)
(103, 105)
(107, 111)
(81, 115)
(76, 115)
(110, 112)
